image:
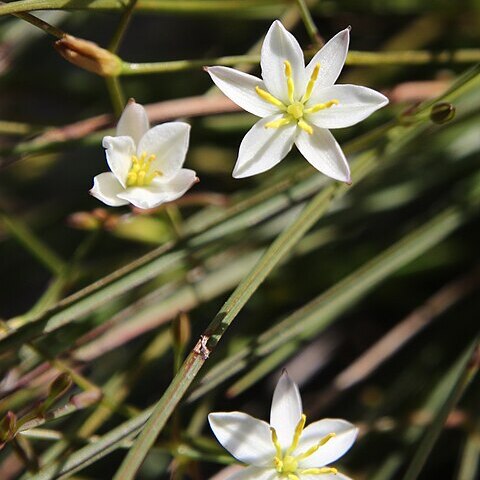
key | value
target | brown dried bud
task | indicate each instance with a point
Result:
(89, 55)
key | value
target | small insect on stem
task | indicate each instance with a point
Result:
(201, 347)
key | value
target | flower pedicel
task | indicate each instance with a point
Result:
(297, 104)
(145, 163)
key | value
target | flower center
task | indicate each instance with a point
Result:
(139, 174)
(287, 464)
(295, 110)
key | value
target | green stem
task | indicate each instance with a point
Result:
(197, 357)
(37, 22)
(360, 58)
(122, 26)
(17, 128)
(33, 244)
(468, 368)
(174, 6)
(309, 23)
(116, 94)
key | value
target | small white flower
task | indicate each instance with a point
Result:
(145, 163)
(284, 449)
(297, 104)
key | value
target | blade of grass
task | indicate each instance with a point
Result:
(279, 248)
(174, 6)
(468, 368)
(433, 405)
(318, 314)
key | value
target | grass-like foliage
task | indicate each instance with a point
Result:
(121, 329)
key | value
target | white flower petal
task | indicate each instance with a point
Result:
(240, 87)
(345, 435)
(119, 151)
(331, 58)
(355, 103)
(133, 122)
(280, 45)
(144, 197)
(106, 187)
(169, 143)
(262, 148)
(286, 409)
(324, 153)
(328, 476)
(178, 185)
(246, 438)
(255, 473)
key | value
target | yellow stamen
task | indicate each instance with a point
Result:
(139, 174)
(279, 123)
(305, 126)
(311, 83)
(268, 97)
(297, 434)
(319, 471)
(276, 443)
(290, 84)
(322, 106)
(313, 449)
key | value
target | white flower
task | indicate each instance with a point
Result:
(297, 104)
(145, 163)
(284, 449)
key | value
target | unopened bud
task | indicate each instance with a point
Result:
(442, 113)
(83, 221)
(7, 427)
(89, 55)
(60, 385)
(57, 388)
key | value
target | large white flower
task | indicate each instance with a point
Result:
(284, 449)
(145, 163)
(297, 104)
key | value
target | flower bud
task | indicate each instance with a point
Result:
(89, 55)
(60, 385)
(7, 427)
(442, 113)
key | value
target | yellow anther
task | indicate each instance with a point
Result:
(315, 447)
(322, 106)
(297, 434)
(139, 174)
(326, 438)
(290, 84)
(279, 123)
(319, 471)
(268, 97)
(311, 83)
(305, 126)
